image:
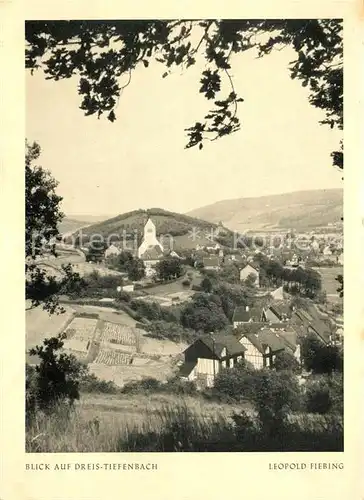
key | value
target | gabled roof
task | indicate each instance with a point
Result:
(211, 261)
(152, 253)
(278, 292)
(286, 333)
(289, 335)
(266, 338)
(255, 327)
(241, 314)
(253, 265)
(311, 318)
(280, 308)
(186, 368)
(218, 342)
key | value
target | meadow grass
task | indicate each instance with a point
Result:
(115, 423)
(169, 424)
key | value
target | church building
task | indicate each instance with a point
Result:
(150, 250)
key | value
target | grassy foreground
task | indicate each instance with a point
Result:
(167, 423)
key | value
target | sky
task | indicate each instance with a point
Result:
(139, 161)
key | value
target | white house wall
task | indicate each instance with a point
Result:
(206, 366)
(252, 354)
(244, 273)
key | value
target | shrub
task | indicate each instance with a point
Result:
(325, 394)
(151, 311)
(285, 361)
(206, 284)
(274, 395)
(90, 383)
(177, 386)
(140, 386)
(204, 313)
(56, 379)
(172, 331)
(124, 296)
(234, 382)
(321, 358)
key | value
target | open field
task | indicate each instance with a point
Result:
(118, 334)
(112, 357)
(101, 422)
(329, 284)
(121, 374)
(175, 287)
(111, 344)
(80, 332)
(167, 288)
(40, 325)
(106, 314)
(168, 300)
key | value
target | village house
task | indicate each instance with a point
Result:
(277, 311)
(278, 294)
(263, 345)
(311, 322)
(241, 316)
(208, 355)
(112, 251)
(250, 269)
(150, 251)
(211, 263)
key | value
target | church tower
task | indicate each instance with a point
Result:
(149, 238)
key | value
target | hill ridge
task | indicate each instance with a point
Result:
(187, 231)
(302, 210)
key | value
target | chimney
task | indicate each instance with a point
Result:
(247, 308)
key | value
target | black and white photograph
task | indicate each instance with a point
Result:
(184, 235)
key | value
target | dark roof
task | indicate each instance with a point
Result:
(255, 326)
(256, 313)
(253, 265)
(241, 314)
(289, 335)
(211, 261)
(266, 338)
(152, 253)
(285, 332)
(280, 309)
(221, 342)
(312, 318)
(186, 368)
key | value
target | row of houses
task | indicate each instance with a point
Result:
(278, 329)
(208, 355)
